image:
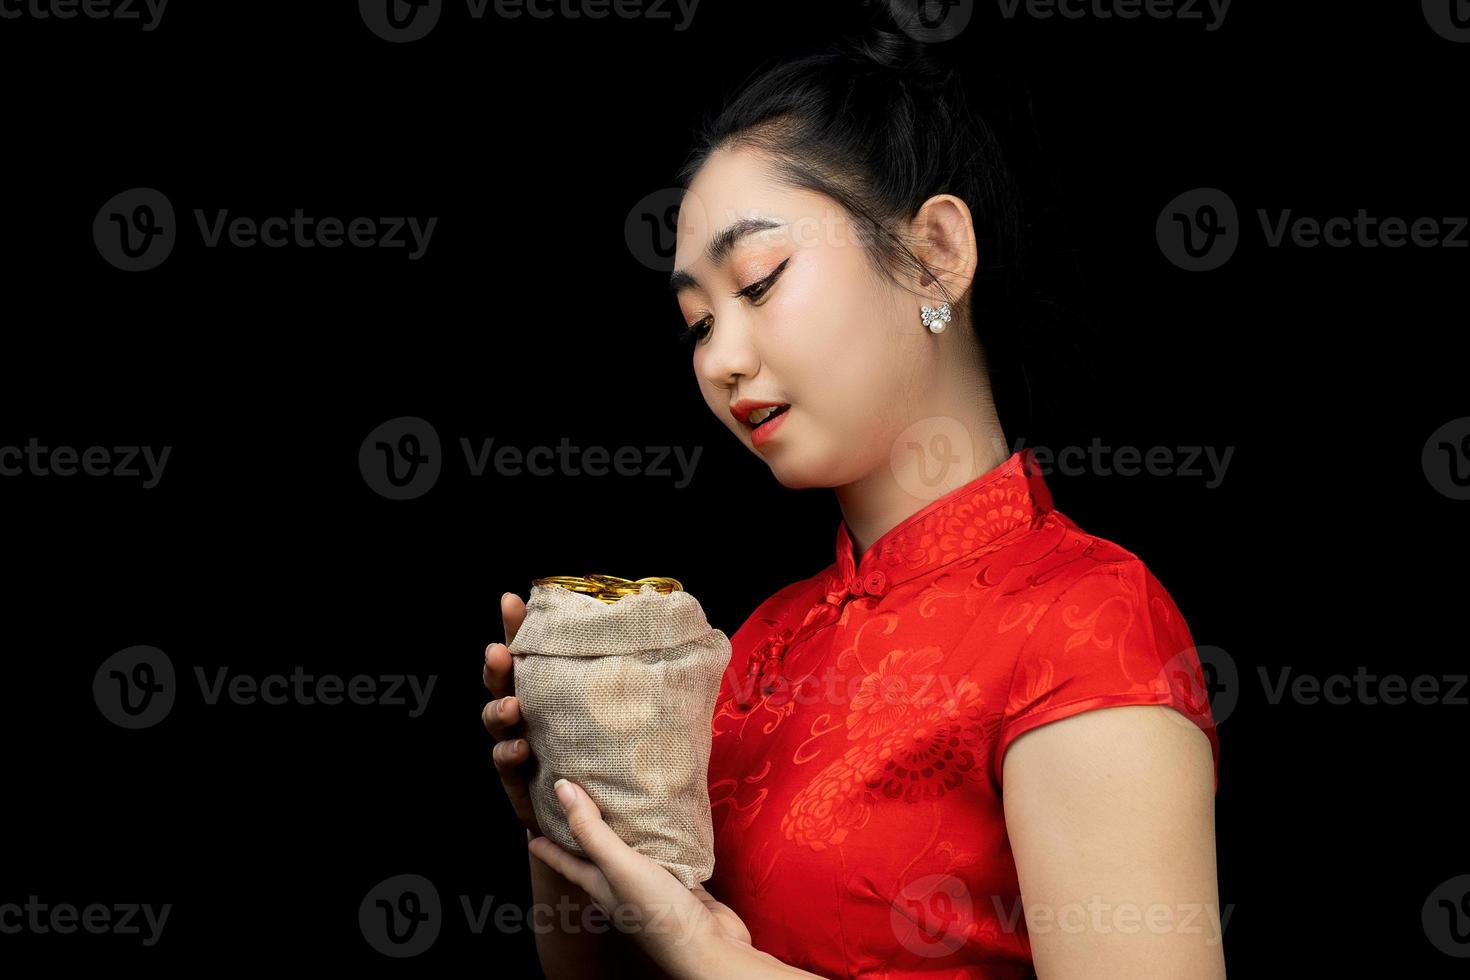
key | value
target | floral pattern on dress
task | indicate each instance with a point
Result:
(915, 751)
(851, 826)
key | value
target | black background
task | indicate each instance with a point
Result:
(530, 319)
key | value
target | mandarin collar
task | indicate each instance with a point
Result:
(947, 529)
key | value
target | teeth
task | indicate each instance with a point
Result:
(761, 414)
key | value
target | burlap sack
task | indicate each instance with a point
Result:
(618, 698)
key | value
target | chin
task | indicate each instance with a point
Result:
(798, 473)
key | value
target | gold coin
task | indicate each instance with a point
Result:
(609, 588)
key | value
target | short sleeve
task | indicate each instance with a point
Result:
(1113, 637)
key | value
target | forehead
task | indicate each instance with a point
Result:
(731, 186)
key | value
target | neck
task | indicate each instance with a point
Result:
(934, 462)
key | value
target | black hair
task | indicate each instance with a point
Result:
(880, 121)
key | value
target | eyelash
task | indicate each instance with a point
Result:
(691, 334)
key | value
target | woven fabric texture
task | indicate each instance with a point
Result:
(618, 698)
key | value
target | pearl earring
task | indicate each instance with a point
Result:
(935, 319)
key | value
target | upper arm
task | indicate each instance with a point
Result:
(1111, 819)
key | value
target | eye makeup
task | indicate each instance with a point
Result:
(755, 292)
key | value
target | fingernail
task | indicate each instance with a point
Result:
(503, 595)
(520, 744)
(528, 835)
(563, 791)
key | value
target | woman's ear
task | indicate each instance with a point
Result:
(944, 238)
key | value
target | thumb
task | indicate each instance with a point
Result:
(605, 848)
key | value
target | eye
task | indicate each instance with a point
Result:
(697, 330)
(759, 288)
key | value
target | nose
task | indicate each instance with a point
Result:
(730, 352)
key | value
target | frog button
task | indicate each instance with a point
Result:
(876, 583)
(855, 585)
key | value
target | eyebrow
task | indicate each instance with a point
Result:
(720, 246)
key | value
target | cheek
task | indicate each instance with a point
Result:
(838, 343)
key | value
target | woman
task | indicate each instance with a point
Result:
(975, 745)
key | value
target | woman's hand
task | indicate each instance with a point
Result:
(685, 931)
(502, 716)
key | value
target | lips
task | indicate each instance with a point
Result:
(743, 410)
(761, 416)
(768, 430)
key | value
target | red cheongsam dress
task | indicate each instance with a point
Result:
(855, 769)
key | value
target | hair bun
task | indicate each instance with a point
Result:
(898, 39)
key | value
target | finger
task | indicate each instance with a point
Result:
(615, 859)
(578, 871)
(498, 671)
(509, 758)
(501, 717)
(512, 615)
